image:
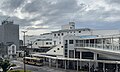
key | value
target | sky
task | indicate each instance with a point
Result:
(42, 16)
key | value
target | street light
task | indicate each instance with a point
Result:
(24, 48)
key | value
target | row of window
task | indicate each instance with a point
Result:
(59, 34)
(57, 49)
(63, 33)
(47, 43)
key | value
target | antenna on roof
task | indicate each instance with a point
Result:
(6, 21)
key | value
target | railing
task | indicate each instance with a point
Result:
(113, 47)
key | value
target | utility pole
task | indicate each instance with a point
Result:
(24, 49)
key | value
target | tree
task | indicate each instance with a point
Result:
(5, 65)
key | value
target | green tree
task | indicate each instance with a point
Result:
(5, 65)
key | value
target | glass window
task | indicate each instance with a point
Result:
(50, 42)
(70, 41)
(62, 34)
(58, 34)
(59, 42)
(79, 31)
(54, 51)
(54, 34)
(46, 43)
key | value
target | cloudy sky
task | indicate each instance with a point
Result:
(41, 16)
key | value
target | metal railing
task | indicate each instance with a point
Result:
(113, 47)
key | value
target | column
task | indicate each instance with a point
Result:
(89, 43)
(103, 67)
(74, 53)
(95, 59)
(89, 66)
(77, 65)
(65, 64)
(95, 56)
(112, 44)
(102, 44)
(80, 64)
(116, 68)
(49, 62)
(56, 63)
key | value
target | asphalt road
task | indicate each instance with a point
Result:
(37, 68)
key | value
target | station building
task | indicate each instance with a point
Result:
(82, 49)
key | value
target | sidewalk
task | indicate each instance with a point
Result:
(53, 69)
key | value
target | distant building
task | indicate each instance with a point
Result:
(11, 51)
(9, 32)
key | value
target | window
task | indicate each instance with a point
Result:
(50, 43)
(54, 34)
(58, 34)
(79, 31)
(54, 51)
(62, 34)
(46, 43)
(58, 49)
(13, 49)
(59, 42)
(70, 41)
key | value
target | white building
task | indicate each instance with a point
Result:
(76, 48)
(11, 51)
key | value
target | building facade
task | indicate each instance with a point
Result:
(84, 48)
(9, 33)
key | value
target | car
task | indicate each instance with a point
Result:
(15, 68)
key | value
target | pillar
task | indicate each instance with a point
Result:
(49, 62)
(89, 44)
(89, 66)
(77, 65)
(74, 53)
(102, 44)
(56, 63)
(65, 64)
(95, 59)
(103, 67)
(116, 68)
(80, 64)
(112, 44)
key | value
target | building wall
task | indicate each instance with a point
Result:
(12, 49)
(11, 34)
(42, 43)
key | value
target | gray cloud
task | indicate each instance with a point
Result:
(113, 1)
(11, 5)
(55, 13)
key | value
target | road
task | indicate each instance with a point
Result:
(37, 68)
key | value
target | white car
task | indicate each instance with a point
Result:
(15, 67)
